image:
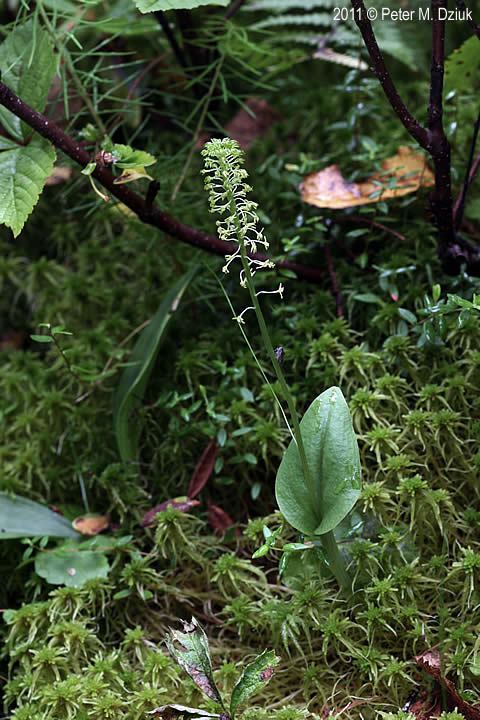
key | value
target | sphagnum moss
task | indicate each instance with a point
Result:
(421, 531)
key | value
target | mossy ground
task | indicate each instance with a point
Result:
(413, 547)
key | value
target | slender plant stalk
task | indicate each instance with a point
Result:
(333, 555)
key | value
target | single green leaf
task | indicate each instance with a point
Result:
(146, 6)
(134, 380)
(254, 677)
(333, 458)
(297, 547)
(475, 667)
(262, 550)
(368, 298)
(89, 169)
(461, 68)
(23, 172)
(20, 517)
(407, 316)
(42, 338)
(461, 302)
(71, 566)
(130, 158)
(27, 66)
(191, 651)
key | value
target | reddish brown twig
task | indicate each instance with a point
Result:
(362, 220)
(336, 290)
(149, 215)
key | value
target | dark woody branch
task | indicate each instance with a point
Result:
(144, 209)
(378, 63)
(441, 201)
(452, 249)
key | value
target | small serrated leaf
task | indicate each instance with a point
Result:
(254, 677)
(27, 66)
(23, 172)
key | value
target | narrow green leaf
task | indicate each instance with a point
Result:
(134, 380)
(368, 298)
(146, 6)
(23, 172)
(71, 566)
(254, 677)
(333, 458)
(20, 517)
(407, 316)
(27, 66)
(42, 338)
(89, 169)
(191, 651)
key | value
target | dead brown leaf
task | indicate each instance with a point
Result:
(426, 706)
(430, 662)
(401, 174)
(182, 504)
(218, 519)
(91, 524)
(203, 470)
(12, 340)
(248, 124)
(59, 175)
(251, 122)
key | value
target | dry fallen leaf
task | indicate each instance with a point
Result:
(91, 524)
(203, 470)
(219, 520)
(249, 123)
(401, 174)
(430, 661)
(12, 340)
(182, 504)
(59, 175)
